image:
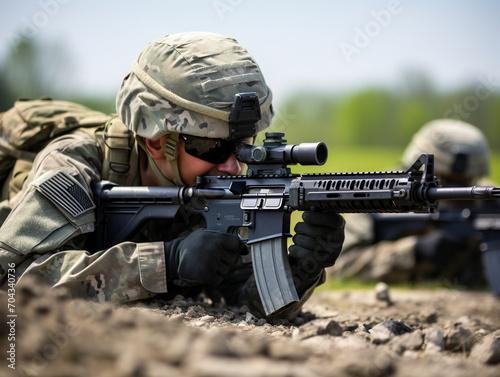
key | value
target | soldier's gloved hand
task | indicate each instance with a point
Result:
(203, 257)
(317, 244)
(437, 247)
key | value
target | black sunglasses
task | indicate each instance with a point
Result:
(215, 151)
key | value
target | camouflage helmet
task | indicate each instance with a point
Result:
(186, 82)
(458, 147)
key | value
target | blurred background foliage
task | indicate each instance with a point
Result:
(383, 117)
(366, 129)
(34, 70)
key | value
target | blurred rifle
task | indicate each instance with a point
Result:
(476, 223)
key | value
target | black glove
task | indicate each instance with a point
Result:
(317, 244)
(437, 247)
(203, 257)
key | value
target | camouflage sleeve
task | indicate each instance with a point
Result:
(363, 259)
(44, 235)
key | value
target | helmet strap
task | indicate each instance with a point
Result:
(171, 153)
(170, 156)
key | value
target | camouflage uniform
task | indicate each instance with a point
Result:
(361, 258)
(367, 257)
(47, 232)
(45, 236)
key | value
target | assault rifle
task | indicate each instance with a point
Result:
(257, 206)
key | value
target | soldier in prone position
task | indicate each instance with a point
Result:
(443, 246)
(175, 102)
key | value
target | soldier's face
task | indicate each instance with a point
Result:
(191, 167)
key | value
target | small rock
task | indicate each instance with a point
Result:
(382, 293)
(250, 318)
(385, 331)
(362, 332)
(431, 317)
(244, 309)
(434, 340)
(458, 338)
(261, 322)
(361, 329)
(412, 341)
(488, 350)
(319, 327)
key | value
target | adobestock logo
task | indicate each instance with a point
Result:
(222, 7)
(483, 90)
(282, 119)
(31, 25)
(363, 36)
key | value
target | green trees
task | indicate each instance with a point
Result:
(31, 69)
(383, 117)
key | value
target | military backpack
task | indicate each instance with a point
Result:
(30, 125)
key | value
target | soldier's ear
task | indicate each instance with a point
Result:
(156, 147)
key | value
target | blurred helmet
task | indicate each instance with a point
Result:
(458, 148)
(186, 83)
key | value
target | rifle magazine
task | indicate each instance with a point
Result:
(273, 275)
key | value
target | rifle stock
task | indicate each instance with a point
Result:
(257, 206)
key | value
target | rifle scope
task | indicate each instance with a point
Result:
(275, 151)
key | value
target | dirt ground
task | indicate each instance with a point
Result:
(340, 333)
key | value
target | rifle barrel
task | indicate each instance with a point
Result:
(461, 193)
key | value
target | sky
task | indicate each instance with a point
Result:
(329, 46)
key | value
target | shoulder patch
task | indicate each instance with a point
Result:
(67, 193)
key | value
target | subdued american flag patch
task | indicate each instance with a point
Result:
(67, 193)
